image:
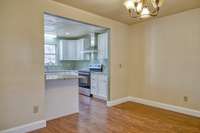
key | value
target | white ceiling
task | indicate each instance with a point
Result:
(67, 28)
(115, 9)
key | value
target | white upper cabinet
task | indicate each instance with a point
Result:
(71, 49)
(67, 49)
(80, 49)
(103, 46)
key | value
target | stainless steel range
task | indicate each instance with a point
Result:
(84, 82)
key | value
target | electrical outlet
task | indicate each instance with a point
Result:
(185, 98)
(120, 65)
(35, 109)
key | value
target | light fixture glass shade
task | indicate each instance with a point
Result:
(129, 4)
(145, 13)
(139, 7)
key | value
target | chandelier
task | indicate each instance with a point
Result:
(143, 8)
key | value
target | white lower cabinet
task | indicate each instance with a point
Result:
(99, 85)
(94, 84)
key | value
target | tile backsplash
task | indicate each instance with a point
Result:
(76, 65)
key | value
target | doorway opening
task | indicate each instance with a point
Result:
(74, 48)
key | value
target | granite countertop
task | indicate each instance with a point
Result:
(66, 74)
(62, 75)
(62, 71)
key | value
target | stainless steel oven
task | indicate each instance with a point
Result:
(84, 83)
(84, 80)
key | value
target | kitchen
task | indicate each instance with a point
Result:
(76, 63)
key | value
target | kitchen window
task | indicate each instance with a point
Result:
(50, 54)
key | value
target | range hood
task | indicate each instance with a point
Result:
(92, 39)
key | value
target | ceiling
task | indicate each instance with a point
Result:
(62, 27)
(115, 9)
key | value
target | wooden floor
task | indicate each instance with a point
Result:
(95, 117)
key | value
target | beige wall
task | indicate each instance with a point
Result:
(160, 58)
(21, 57)
(165, 59)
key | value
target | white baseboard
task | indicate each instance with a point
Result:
(174, 108)
(100, 97)
(117, 101)
(49, 118)
(26, 128)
